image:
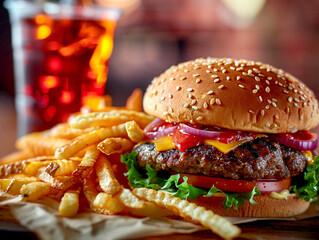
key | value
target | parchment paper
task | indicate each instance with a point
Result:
(43, 219)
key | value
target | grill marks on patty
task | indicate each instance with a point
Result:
(261, 158)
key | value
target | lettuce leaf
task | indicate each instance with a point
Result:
(308, 189)
(149, 178)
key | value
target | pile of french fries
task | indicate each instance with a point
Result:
(70, 162)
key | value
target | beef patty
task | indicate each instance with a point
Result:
(261, 158)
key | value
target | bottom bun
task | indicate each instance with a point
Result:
(266, 207)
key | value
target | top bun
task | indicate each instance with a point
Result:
(232, 94)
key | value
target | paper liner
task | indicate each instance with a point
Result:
(43, 219)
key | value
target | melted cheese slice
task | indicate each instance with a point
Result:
(164, 143)
(282, 195)
(309, 157)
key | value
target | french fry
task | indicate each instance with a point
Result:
(90, 193)
(134, 132)
(64, 130)
(86, 165)
(60, 183)
(107, 180)
(150, 210)
(87, 139)
(134, 102)
(106, 201)
(15, 157)
(38, 145)
(69, 205)
(129, 199)
(115, 145)
(61, 167)
(13, 185)
(107, 119)
(185, 209)
(35, 190)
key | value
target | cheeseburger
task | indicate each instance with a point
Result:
(233, 136)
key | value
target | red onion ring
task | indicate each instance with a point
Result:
(161, 133)
(150, 126)
(199, 132)
(298, 144)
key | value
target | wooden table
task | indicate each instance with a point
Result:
(261, 230)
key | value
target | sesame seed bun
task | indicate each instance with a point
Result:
(232, 94)
(266, 207)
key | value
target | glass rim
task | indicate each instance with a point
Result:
(25, 8)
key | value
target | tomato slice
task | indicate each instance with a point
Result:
(237, 185)
(184, 141)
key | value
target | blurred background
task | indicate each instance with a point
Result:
(155, 34)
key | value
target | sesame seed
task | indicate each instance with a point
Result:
(172, 79)
(251, 111)
(170, 109)
(215, 70)
(269, 101)
(196, 68)
(193, 102)
(190, 95)
(257, 87)
(302, 98)
(255, 91)
(285, 91)
(210, 92)
(212, 101)
(268, 125)
(224, 71)
(186, 105)
(198, 80)
(274, 100)
(205, 105)
(241, 86)
(214, 76)
(162, 98)
(185, 70)
(274, 104)
(228, 78)
(190, 89)
(218, 101)
(296, 105)
(183, 78)
(296, 100)
(239, 69)
(276, 116)
(244, 73)
(191, 121)
(290, 99)
(267, 82)
(178, 88)
(162, 90)
(262, 112)
(267, 107)
(260, 98)
(199, 118)
(232, 68)
(216, 80)
(194, 107)
(238, 78)
(267, 89)
(221, 86)
(165, 113)
(170, 96)
(208, 71)
(250, 71)
(269, 78)
(196, 75)
(257, 79)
